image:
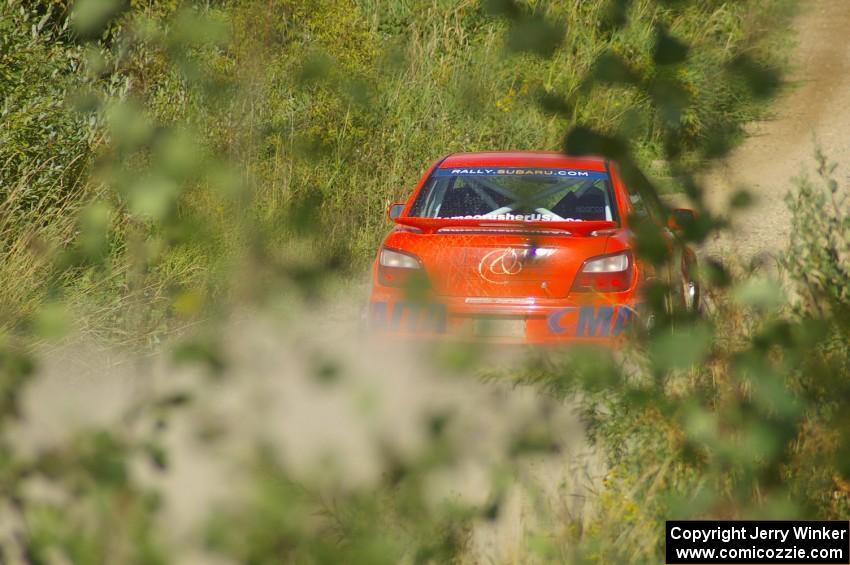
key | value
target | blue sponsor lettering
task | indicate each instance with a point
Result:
(378, 315)
(593, 321)
(554, 320)
(416, 317)
(437, 318)
(625, 315)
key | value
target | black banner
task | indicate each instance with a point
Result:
(747, 542)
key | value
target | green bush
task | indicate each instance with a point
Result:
(248, 151)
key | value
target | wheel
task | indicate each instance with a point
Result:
(690, 287)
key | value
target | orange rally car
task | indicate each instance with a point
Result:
(515, 247)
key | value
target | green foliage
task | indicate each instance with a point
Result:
(283, 520)
(820, 238)
(231, 154)
(335, 108)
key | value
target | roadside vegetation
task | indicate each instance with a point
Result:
(326, 111)
(163, 165)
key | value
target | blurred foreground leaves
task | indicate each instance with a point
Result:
(737, 412)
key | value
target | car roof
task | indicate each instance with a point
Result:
(543, 159)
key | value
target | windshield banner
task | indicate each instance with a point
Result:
(520, 171)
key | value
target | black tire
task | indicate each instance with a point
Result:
(691, 292)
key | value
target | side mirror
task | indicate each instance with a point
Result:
(395, 210)
(680, 218)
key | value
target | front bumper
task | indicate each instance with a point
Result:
(602, 318)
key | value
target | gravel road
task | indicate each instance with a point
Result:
(814, 111)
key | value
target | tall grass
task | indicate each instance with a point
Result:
(332, 110)
(420, 80)
(249, 150)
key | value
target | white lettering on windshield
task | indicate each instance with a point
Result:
(519, 217)
(523, 172)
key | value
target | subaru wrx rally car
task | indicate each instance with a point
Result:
(515, 247)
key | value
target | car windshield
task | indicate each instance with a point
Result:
(527, 194)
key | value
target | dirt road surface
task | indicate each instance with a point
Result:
(328, 435)
(814, 111)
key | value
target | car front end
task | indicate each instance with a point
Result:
(508, 254)
(517, 291)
